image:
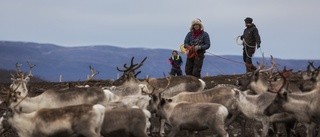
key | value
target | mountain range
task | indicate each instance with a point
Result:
(72, 63)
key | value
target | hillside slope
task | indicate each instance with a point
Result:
(73, 62)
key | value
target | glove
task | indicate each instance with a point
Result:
(258, 46)
(198, 47)
(241, 37)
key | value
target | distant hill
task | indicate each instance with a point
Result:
(73, 62)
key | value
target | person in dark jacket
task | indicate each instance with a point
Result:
(196, 42)
(251, 41)
(176, 62)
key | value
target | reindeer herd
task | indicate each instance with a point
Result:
(179, 103)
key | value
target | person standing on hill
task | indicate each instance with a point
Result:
(251, 40)
(176, 62)
(196, 42)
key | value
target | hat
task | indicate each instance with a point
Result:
(196, 21)
(248, 20)
(175, 51)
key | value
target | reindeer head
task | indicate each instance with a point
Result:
(259, 80)
(129, 73)
(277, 104)
(19, 84)
(155, 98)
(13, 98)
(309, 78)
(310, 73)
(239, 96)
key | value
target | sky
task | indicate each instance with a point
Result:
(289, 29)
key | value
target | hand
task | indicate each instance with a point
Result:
(198, 47)
(241, 37)
(258, 46)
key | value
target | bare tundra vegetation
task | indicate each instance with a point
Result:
(267, 102)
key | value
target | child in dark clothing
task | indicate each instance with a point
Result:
(176, 62)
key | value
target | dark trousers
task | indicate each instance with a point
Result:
(194, 66)
(247, 58)
(176, 72)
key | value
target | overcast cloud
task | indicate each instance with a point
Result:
(288, 29)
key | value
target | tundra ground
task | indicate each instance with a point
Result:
(212, 81)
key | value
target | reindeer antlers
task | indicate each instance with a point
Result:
(260, 68)
(169, 81)
(282, 75)
(20, 73)
(311, 65)
(30, 66)
(132, 66)
(92, 75)
(154, 88)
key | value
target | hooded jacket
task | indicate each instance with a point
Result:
(203, 38)
(251, 35)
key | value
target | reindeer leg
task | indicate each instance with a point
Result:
(274, 130)
(154, 128)
(265, 126)
(290, 126)
(221, 131)
(255, 133)
(234, 116)
(162, 123)
(173, 132)
(309, 129)
(243, 123)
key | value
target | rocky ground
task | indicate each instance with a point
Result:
(234, 130)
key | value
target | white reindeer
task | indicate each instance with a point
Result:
(83, 120)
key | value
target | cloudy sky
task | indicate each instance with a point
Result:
(289, 29)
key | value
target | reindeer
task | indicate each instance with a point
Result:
(126, 122)
(193, 116)
(85, 120)
(60, 98)
(178, 84)
(304, 106)
(221, 95)
(19, 84)
(17, 96)
(126, 102)
(253, 106)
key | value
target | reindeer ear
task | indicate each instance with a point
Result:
(236, 93)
